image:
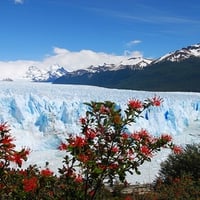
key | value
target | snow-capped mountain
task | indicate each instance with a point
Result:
(50, 74)
(134, 63)
(182, 54)
(55, 71)
(37, 73)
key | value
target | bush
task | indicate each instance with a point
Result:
(179, 176)
(186, 163)
(184, 188)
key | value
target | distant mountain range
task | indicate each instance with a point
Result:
(40, 75)
(175, 71)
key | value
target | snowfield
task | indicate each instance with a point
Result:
(41, 115)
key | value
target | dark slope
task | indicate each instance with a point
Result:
(162, 76)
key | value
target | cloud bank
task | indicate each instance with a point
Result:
(70, 60)
(18, 1)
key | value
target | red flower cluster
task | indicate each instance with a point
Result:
(83, 158)
(77, 142)
(145, 150)
(7, 152)
(166, 137)
(90, 134)
(6, 141)
(30, 184)
(46, 172)
(135, 104)
(62, 146)
(142, 135)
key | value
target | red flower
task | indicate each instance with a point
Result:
(166, 137)
(91, 193)
(135, 104)
(83, 158)
(79, 179)
(128, 198)
(143, 133)
(83, 120)
(177, 149)
(102, 167)
(4, 128)
(17, 158)
(113, 166)
(156, 101)
(46, 172)
(135, 136)
(78, 142)
(62, 146)
(114, 149)
(125, 136)
(7, 140)
(90, 134)
(23, 172)
(26, 152)
(145, 150)
(30, 184)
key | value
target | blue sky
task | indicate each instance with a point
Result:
(37, 30)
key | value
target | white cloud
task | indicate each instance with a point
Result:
(18, 1)
(82, 59)
(133, 42)
(68, 59)
(132, 54)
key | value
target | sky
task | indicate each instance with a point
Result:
(80, 33)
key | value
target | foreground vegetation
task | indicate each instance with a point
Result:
(98, 160)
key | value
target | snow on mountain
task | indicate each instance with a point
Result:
(135, 62)
(182, 54)
(41, 115)
(55, 71)
(50, 74)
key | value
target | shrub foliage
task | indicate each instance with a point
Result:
(103, 151)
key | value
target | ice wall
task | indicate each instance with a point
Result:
(46, 112)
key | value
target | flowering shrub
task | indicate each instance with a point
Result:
(7, 152)
(105, 150)
(16, 183)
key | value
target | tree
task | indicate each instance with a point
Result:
(186, 163)
(105, 150)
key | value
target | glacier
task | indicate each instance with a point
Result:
(41, 115)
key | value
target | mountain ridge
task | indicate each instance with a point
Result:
(176, 71)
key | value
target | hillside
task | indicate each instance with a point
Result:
(161, 76)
